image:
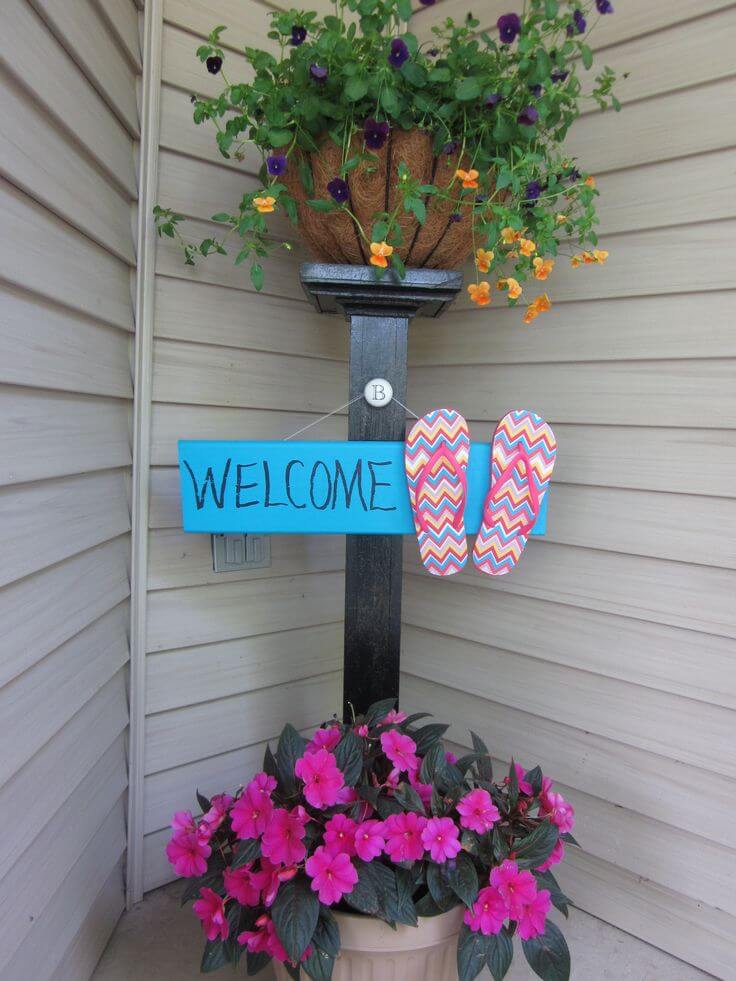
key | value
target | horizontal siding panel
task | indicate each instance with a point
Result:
(43, 254)
(228, 376)
(181, 67)
(71, 907)
(63, 90)
(627, 585)
(61, 178)
(216, 315)
(205, 614)
(662, 658)
(675, 526)
(35, 706)
(646, 132)
(66, 836)
(46, 522)
(626, 777)
(646, 328)
(171, 423)
(201, 674)
(247, 23)
(50, 434)
(122, 17)
(42, 611)
(281, 267)
(187, 734)
(626, 393)
(45, 346)
(85, 35)
(647, 718)
(60, 766)
(176, 558)
(698, 934)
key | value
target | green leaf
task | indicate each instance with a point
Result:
(305, 176)
(319, 965)
(378, 710)
(414, 73)
(257, 962)
(349, 757)
(323, 206)
(214, 957)
(513, 785)
(390, 101)
(463, 879)
(378, 234)
(409, 798)
(472, 950)
(280, 137)
(375, 891)
(355, 88)
(432, 764)
(256, 275)
(503, 131)
(587, 55)
(548, 955)
(405, 909)
(467, 89)
(403, 8)
(545, 880)
(295, 912)
(537, 847)
(221, 216)
(485, 767)
(439, 887)
(246, 851)
(534, 777)
(203, 802)
(291, 746)
(440, 75)
(427, 736)
(499, 954)
(397, 263)
(327, 933)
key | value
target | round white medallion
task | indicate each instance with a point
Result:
(378, 392)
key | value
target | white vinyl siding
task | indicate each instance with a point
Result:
(68, 132)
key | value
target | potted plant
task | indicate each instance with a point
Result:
(388, 152)
(372, 851)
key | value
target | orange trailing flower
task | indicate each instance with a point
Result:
(600, 256)
(512, 286)
(540, 305)
(468, 177)
(560, 218)
(580, 258)
(527, 247)
(381, 251)
(264, 205)
(483, 259)
(589, 181)
(480, 293)
(542, 267)
(510, 235)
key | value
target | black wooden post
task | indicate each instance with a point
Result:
(379, 312)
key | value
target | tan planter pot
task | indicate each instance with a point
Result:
(444, 241)
(372, 951)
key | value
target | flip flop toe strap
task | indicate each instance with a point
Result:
(520, 458)
(423, 478)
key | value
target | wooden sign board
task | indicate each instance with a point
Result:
(311, 488)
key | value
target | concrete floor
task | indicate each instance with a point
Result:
(159, 941)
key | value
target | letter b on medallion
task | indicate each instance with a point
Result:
(378, 392)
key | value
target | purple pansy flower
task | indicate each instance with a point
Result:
(536, 91)
(276, 164)
(318, 73)
(604, 6)
(509, 27)
(399, 53)
(493, 99)
(375, 133)
(558, 75)
(579, 24)
(427, 3)
(528, 116)
(574, 175)
(339, 189)
(214, 64)
(456, 216)
(533, 190)
(433, 52)
(450, 147)
(298, 35)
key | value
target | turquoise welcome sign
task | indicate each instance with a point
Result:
(303, 488)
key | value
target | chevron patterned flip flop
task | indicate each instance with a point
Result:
(522, 460)
(436, 460)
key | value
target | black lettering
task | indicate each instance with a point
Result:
(378, 483)
(267, 480)
(312, 481)
(240, 486)
(209, 481)
(287, 476)
(348, 490)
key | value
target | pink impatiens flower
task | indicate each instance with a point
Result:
(219, 807)
(282, 840)
(487, 913)
(263, 783)
(324, 739)
(322, 778)
(403, 834)
(244, 885)
(210, 908)
(183, 821)
(477, 811)
(555, 857)
(524, 786)
(401, 750)
(270, 878)
(557, 809)
(423, 789)
(340, 835)
(393, 718)
(440, 838)
(263, 939)
(188, 853)
(251, 814)
(517, 889)
(369, 841)
(362, 730)
(332, 875)
(533, 918)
